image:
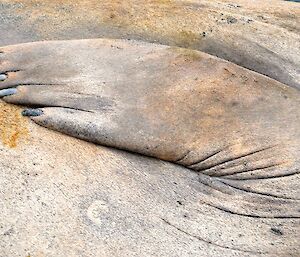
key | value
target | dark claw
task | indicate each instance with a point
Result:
(7, 92)
(3, 77)
(32, 112)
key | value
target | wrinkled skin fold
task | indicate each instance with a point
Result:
(228, 123)
(67, 197)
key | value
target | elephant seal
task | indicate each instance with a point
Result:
(61, 196)
(171, 103)
(65, 197)
(261, 36)
(175, 104)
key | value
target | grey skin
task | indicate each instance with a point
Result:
(236, 161)
(64, 197)
(226, 121)
(264, 38)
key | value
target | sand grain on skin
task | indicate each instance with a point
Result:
(13, 127)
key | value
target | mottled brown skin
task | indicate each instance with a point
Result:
(174, 104)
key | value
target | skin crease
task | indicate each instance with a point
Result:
(155, 95)
(263, 236)
(141, 97)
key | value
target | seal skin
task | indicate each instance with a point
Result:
(229, 125)
(134, 95)
(262, 36)
(175, 104)
(151, 208)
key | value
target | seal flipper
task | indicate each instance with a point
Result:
(174, 104)
(100, 128)
(227, 123)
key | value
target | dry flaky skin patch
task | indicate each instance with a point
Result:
(162, 18)
(182, 21)
(13, 127)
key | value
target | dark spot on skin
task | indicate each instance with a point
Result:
(261, 17)
(276, 231)
(179, 202)
(231, 20)
(229, 72)
(244, 78)
(117, 47)
(245, 164)
(234, 5)
(185, 216)
(8, 232)
(203, 34)
(234, 103)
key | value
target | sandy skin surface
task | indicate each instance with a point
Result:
(65, 197)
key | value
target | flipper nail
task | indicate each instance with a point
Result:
(3, 77)
(7, 92)
(32, 112)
